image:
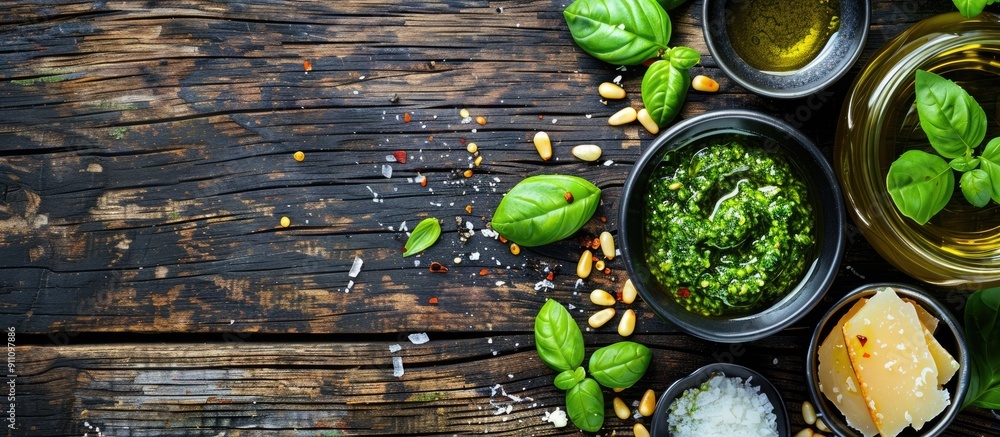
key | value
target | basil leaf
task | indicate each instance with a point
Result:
(982, 322)
(664, 88)
(964, 163)
(585, 405)
(619, 32)
(683, 57)
(670, 4)
(951, 118)
(538, 210)
(976, 187)
(621, 364)
(991, 165)
(558, 339)
(423, 236)
(971, 8)
(920, 184)
(568, 379)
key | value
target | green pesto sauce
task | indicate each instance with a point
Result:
(729, 227)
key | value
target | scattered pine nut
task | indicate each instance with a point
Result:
(627, 325)
(478, 161)
(587, 152)
(585, 264)
(607, 245)
(467, 173)
(640, 430)
(625, 116)
(481, 120)
(543, 145)
(648, 403)
(472, 147)
(299, 156)
(601, 317)
(609, 90)
(806, 432)
(602, 298)
(621, 410)
(464, 113)
(821, 425)
(704, 83)
(808, 412)
(457, 260)
(515, 249)
(618, 389)
(629, 292)
(647, 121)
(286, 222)
(599, 265)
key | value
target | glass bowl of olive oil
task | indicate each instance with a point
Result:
(785, 48)
(960, 246)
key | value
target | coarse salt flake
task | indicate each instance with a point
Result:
(557, 418)
(356, 267)
(419, 338)
(397, 366)
(393, 348)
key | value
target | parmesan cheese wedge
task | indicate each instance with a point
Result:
(893, 363)
(837, 380)
(947, 366)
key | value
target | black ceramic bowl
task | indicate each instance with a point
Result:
(949, 333)
(838, 55)
(825, 197)
(660, 425)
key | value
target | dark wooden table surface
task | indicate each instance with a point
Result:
(146, 161)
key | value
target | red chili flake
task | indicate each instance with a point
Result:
(607, 270)
(503, 240)
(862, 339)
(540, 116)
(483, 272)
(433, 301)
(468, 209)
(423, 181)
(400, 156)
(618, 295)
(866, 355)
(595, 244)
(568, 196)
(461, 140)
(406, 117)
(604, 219)
(649, 62)
(308, 66)
(683, 293)
(437, 267)
(550, 276)
(430, 138)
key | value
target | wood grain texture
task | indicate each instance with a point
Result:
(146, 160)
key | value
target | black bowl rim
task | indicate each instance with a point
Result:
(703, 374)
(790, 93)
(832, 417)
(778, 316)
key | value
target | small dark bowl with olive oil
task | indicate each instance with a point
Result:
(783, 48)
(732, 225)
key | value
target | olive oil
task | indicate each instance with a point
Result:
(781, 35)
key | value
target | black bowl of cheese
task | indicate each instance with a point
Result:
(731, 225)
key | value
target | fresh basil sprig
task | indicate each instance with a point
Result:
(921, 183)
(972, 8)
(559, 343)
(620, 32)
(423, 236)
(982, 322)
(545, 208)
(670, 4)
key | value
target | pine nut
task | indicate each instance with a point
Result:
(648, 403)
(587, 152)
(601, 317)
(464, 113)
(299, 156)
(515, 249)
(629, 292)
(640, 430)
(467, 173)
(607, 245)
(627, 324)
(286, 222)
(602, 298)
(472, 147)
(621, 410)
(481, 120)
(543, 145)
(625, 116)
(808, 412)
(821, 425)
(806, 432)
(585, 264)
(609, 90)
(478, 161)
(647, 121)
(704, 83)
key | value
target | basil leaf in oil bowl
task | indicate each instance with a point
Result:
(558, 339)
(585, 405)
(423, 236)
(972, 8)
(976, 187)
(982, 322)
(546, 208)
(664, 88)
(990, 162)
(620, 365)
(920, 184)
(619, 32)
(567, 379)
(951, 118)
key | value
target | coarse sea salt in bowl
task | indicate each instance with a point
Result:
(759, 390)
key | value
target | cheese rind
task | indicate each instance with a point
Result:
(889, 353)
